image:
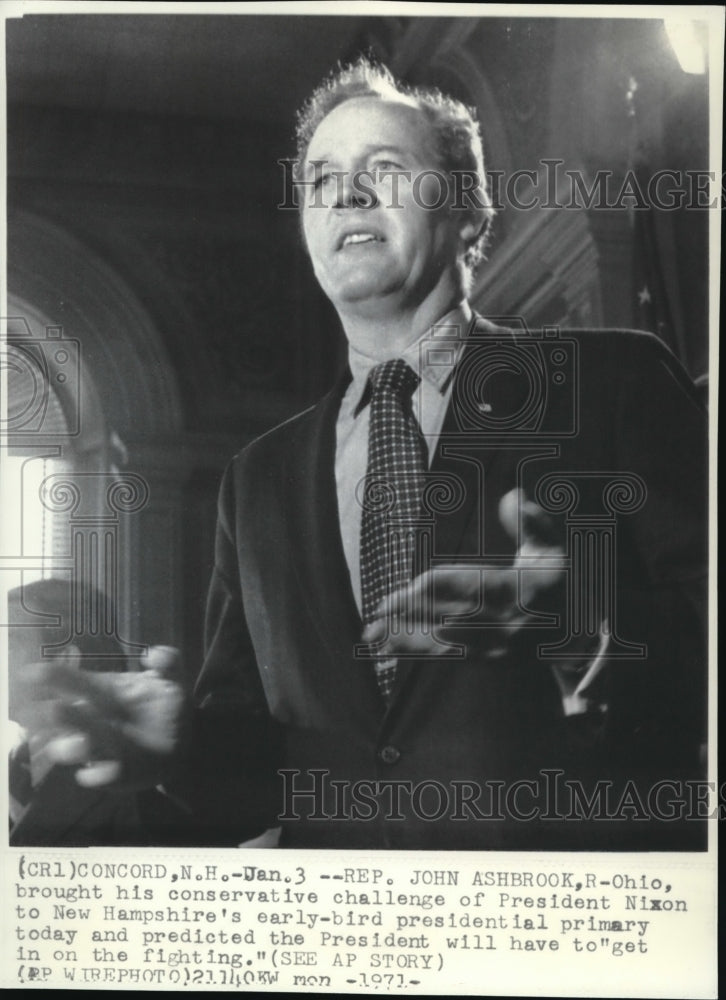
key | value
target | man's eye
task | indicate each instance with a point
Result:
(322, 180)
(386, 166)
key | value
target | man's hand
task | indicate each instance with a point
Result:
(494, 602)
(121, 729)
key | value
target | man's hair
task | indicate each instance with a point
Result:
(455, 129)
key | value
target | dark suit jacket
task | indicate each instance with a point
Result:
(63, 814)
(281, 687)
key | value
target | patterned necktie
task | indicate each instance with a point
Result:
(392, 497)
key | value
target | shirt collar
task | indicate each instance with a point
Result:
(434, 363)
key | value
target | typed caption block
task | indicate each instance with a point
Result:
(355, 923)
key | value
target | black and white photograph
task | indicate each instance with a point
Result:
(357, 464)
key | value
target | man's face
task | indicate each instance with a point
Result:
(390, 246)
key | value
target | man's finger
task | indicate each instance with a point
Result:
(163, 660)
(58, 681)
(441, 644)
(100, 733)
(68, 748)
(98, 773)
(526, 523)
(452, 585)
(414, 642)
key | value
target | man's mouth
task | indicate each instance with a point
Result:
(357, 238)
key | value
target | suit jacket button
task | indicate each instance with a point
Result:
(389, 755)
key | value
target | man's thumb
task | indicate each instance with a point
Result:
(525, 522)
(163, 660)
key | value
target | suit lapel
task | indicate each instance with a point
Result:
(467, 449)
(317, 555)
(468, 455)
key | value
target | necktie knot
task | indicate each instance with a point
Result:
(395, 377)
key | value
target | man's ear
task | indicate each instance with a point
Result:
(473, 226)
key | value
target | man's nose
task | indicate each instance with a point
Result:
(355, 189)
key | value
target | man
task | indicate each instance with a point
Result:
(403, 647)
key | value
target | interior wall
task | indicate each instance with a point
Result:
(178, 212)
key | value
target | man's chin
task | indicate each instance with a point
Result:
(369, 293)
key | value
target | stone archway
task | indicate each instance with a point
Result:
(122, 407)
